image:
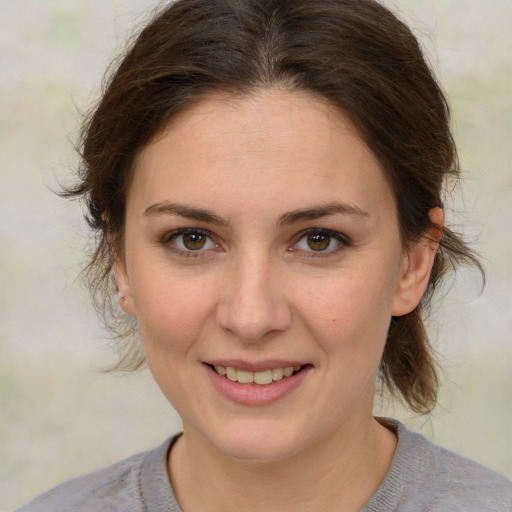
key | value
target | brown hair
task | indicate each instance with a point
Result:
(354, 53)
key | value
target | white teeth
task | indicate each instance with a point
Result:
(277, 373)
(220, 370)
(231, 374)
(262, 378)
(245, 377)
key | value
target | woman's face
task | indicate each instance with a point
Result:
(262, 237)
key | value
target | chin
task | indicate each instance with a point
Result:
(264, 451)
(257, 443)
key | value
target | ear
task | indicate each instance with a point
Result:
(416, 266)
(125, 297)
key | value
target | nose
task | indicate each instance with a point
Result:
(253, 303)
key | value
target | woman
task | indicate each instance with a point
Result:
(265, 178)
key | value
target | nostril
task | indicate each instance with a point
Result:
(253, 323)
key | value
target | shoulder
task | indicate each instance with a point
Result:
(115, 488)
(426, 477)
(455, 482)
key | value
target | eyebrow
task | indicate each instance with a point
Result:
(188, 212)
(203, 215)
(316, 212)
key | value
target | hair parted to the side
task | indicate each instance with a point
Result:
(354, 53)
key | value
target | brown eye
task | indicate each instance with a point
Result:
(194, 241)
(191, 240)
(318, 241)
(323, 242)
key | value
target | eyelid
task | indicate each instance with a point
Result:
(343, 240)
(169, 236)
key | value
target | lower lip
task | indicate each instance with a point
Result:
(255, 394)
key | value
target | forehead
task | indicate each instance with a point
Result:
(277, 117)
(272, 144)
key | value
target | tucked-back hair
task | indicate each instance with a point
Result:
(354, 53)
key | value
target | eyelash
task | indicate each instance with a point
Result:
(168, 238)
(343, 241)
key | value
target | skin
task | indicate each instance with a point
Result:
(256, 291)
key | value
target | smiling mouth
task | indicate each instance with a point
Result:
(261, 378)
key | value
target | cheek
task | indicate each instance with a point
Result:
(171, 311)
(350, 313)
(172, 315)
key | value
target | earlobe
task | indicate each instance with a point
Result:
(417, 265)
(125, 298)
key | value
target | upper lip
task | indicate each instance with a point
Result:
(255, 366)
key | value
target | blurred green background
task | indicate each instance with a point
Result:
(59, 416)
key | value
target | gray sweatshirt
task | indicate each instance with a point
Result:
(422, 478)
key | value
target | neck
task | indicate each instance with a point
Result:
(339, 473)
